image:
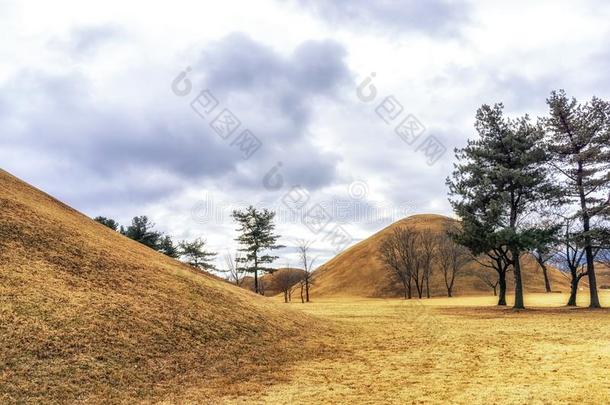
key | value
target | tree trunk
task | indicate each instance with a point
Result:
(502, 282)
(286, 296)
(573, 292)
(302, 299)
(427, 286)
(518, 282)
(449, 292)
(586, 226)
(495, 292)
(306, 290)
(547, 283)
(409, 290)
(256, 281)
(594, 303)
(418, 286)
(541, 262)
(515, 253)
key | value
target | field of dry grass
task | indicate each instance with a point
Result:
(458, 350)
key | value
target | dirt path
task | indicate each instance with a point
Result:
(392, 351)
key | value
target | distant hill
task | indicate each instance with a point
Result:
(358, 271)
(88, 315)
(269, 281)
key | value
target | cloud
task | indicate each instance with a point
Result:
(62, 120)
(85, 41)
(433, 17)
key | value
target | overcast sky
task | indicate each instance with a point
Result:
(94, 112)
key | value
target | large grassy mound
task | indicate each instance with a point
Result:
(89, 315)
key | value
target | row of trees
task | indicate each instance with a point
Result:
(143, 230)
(256, 239)
(412, 255)
(538, 187)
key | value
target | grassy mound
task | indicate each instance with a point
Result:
(89, 315)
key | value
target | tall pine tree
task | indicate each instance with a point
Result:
(500, 177)
(579, 141)
(256, 237)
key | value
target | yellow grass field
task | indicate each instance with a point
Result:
(458, 350)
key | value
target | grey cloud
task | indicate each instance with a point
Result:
(84, 41)
(62, 121)
(275, 94)
(433, 17)
(238, 62)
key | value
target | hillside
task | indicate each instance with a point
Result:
(89, 315)
(358, 271)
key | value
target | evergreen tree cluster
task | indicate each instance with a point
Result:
(536, 187)
(143, 230)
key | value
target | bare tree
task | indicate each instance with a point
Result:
(570, 255)
(286, 279)
(490, 281)
(235, 274)
(303, 248)
(452, 258)
(428, 243)
(404, 242)
(391, 255)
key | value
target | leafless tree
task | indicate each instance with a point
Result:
(391, 255)
(286, 279)
(452, 258)
(303, 248)
(235, 274)
(404, 243)
(490, 281)
(570, 255)
(428, 246)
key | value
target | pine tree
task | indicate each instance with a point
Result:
(167, 247)
(195, 254)
(579, 141)
(500, 177)
(256, 237)
(141, 230)
(109, 222)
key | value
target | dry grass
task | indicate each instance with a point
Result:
(458, 350)
(87, 315)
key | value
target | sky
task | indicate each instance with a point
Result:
(341, 116)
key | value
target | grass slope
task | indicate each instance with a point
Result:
(89, 315)
(359, 272)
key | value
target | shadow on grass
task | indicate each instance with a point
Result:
(501, 312)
